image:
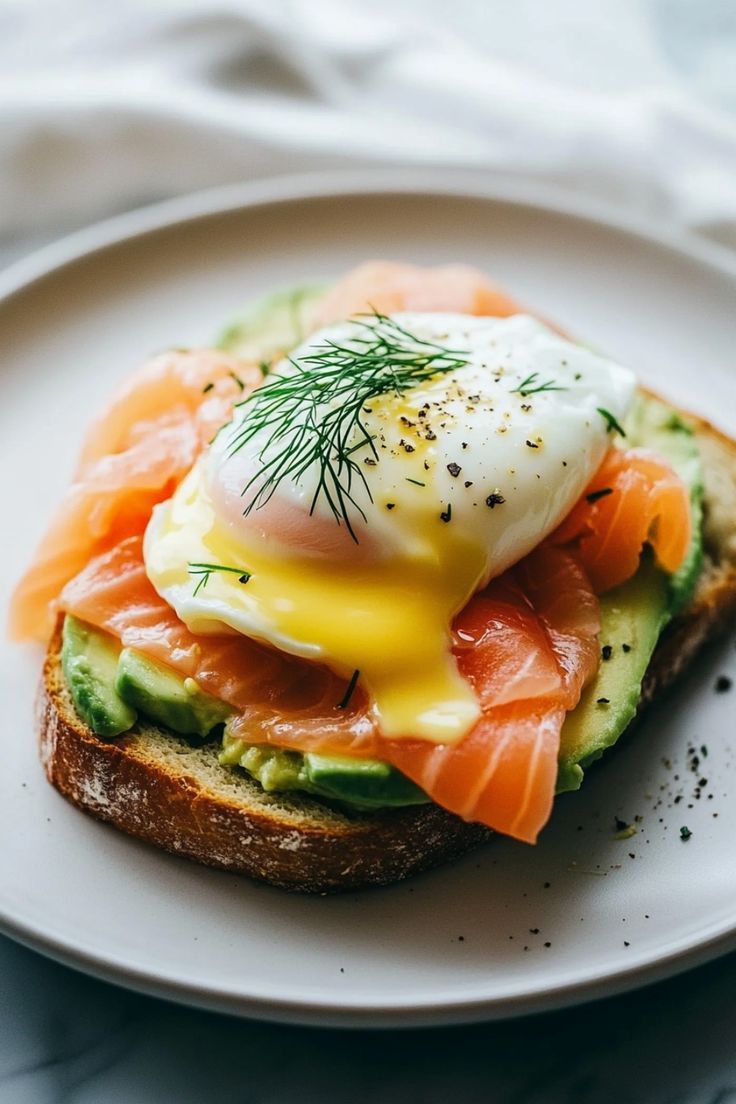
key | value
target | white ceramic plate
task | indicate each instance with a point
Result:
(510, 928)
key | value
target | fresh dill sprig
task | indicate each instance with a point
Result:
(314, 415)
(345, 700)
(594, 496)
(204, 570)
(529, 386)
(612, 426)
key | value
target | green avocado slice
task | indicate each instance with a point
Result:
(632, 617)
(363, 783)
(272, 326)
(165, 697)
(89, 661)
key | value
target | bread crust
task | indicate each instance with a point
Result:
(172, 807)
(119, 782)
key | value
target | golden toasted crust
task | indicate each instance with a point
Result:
(153, 785)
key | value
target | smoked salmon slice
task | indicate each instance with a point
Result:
(503, 773)
(201, 384)
(388, 286)
(635, 497)
(527, 643)
(133, 457)
(273, 692)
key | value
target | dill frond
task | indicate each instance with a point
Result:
(204, 570)
(530, 386)
(313, 415)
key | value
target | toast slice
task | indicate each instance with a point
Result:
(154, 785)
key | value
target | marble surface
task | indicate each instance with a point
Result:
(68, 1039)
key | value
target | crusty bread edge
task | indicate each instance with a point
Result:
(117, 782)
(114, 782)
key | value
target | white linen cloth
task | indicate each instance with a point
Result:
(108, 105)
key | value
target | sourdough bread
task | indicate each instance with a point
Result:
(156, 786)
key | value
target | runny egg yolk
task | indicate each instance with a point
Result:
(468, 475)
(389, 620)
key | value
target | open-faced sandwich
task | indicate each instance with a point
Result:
(381, 574)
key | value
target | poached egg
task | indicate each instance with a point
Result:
(461, 476)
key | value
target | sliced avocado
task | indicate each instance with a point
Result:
(165, 697)
(275, 768)
(273, 326)
(634, 614)
(89, 660)
(632, 617)
(364, 783)
(370, 783)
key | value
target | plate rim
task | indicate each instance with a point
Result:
(331, 184)
(51, 259)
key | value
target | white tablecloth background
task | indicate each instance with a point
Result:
(108, 105)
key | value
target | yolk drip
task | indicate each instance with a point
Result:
(390, 620)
